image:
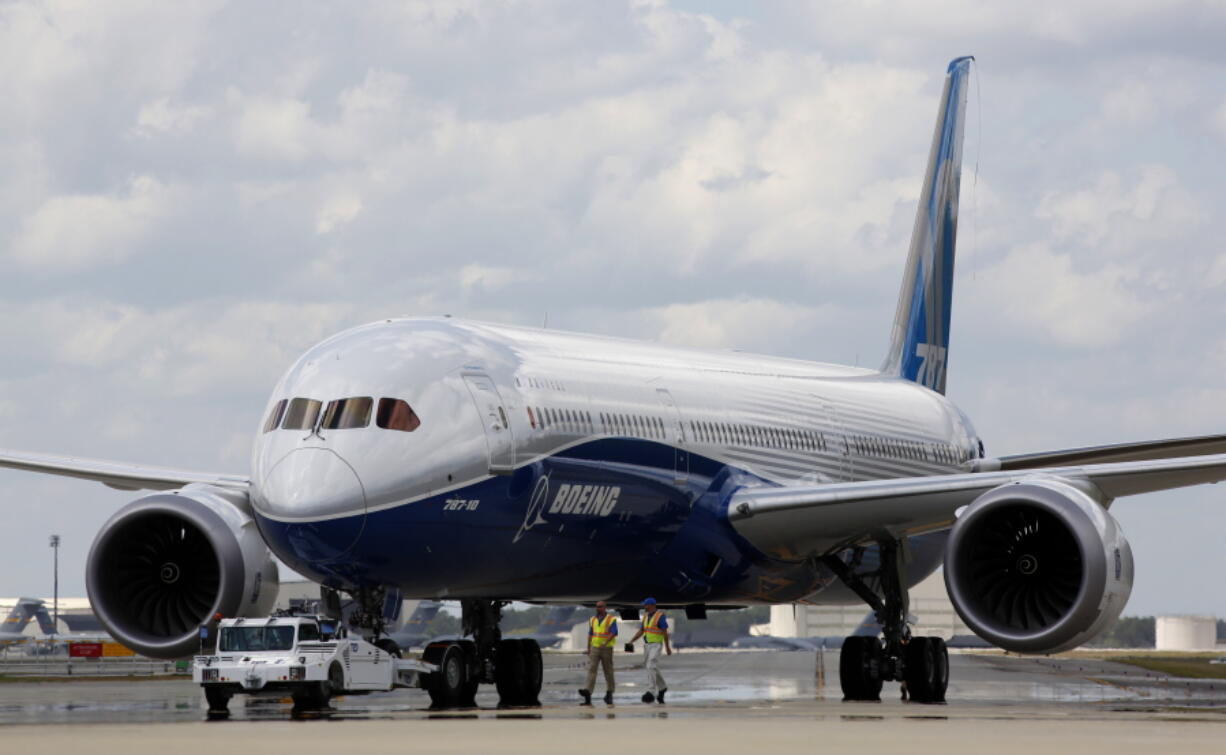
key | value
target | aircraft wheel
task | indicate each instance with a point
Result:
(510, 671)
(389, 646)
(218, 699)
(534, 672)
(860, 668)
(472, 674)
(927, 669)
(446, 686)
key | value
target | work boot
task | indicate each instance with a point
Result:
(648, 697)
(660, 699)
(586, 695)
(608, 698)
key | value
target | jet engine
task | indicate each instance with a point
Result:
(165, 564)
(1037, 567)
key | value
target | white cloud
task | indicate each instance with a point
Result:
(1118, 217)
(75, 232)
(1045, 296)
(1218, 120)
(1132, 101)
(742, 322)
(474, 277)
(336, 212)
(165, 117)
(276, 129)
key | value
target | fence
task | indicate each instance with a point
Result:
(89, 667)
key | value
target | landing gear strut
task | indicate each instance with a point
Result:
(512, 665)
(921, 663)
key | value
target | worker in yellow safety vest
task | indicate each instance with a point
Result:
(601, 637)
(655, 636)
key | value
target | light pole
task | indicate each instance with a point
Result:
(55, 599)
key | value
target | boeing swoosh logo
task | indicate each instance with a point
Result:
(536, 507)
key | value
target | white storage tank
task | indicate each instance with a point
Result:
(1185, 633)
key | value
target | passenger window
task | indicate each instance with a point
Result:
(301, 414)
(274, 417)
(395, 414)
(308, 632)
(348, 413)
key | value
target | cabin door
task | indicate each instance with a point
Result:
(494, 419)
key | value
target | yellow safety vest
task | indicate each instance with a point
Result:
(602, 631)
(651, 632)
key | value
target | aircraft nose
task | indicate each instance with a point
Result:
(311, 484)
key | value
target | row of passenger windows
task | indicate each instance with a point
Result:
(341, 414)
(869, 445)
(759, 435)
(797, 439)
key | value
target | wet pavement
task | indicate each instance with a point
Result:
(701, 683)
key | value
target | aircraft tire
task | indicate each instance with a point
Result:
(446, 686)
(510, 670)
(927, 669)
(860, 668)
(534, 668)
(472, 675)
(389, 646)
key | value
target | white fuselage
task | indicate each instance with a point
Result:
(496, 402)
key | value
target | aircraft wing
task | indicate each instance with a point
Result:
(117, 474)
(793, 523)
(1145, 451)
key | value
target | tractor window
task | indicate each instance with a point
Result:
(256, 639)
(308, 632)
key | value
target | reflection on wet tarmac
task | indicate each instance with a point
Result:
(700, 685)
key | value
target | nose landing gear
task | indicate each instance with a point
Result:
(921, 664)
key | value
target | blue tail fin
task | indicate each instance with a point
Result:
(919, 343)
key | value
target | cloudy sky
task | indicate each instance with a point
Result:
(191, 194)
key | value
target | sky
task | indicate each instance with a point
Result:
(192, 194)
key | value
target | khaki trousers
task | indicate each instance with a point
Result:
(600, 657)
(655, 680)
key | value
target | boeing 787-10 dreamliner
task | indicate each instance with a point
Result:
(438, 458)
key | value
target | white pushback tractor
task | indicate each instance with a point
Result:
(309, 658)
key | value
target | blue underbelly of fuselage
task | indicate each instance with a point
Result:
(617, 519)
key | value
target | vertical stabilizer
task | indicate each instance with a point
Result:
(20, 616)
(919, 342)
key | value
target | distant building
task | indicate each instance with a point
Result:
(1185, 632)
(930, 607)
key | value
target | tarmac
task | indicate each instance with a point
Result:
(718, 701)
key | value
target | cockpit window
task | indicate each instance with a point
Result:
(395, 414)
(348, 413)
(274, 417)
(301, 414)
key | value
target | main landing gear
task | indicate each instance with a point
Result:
(920, 663)
(513, 666)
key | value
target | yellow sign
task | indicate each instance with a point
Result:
(115, 650)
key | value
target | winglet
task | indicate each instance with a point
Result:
(919, 341)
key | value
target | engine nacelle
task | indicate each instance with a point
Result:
(1037, 567)
(164, 564)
